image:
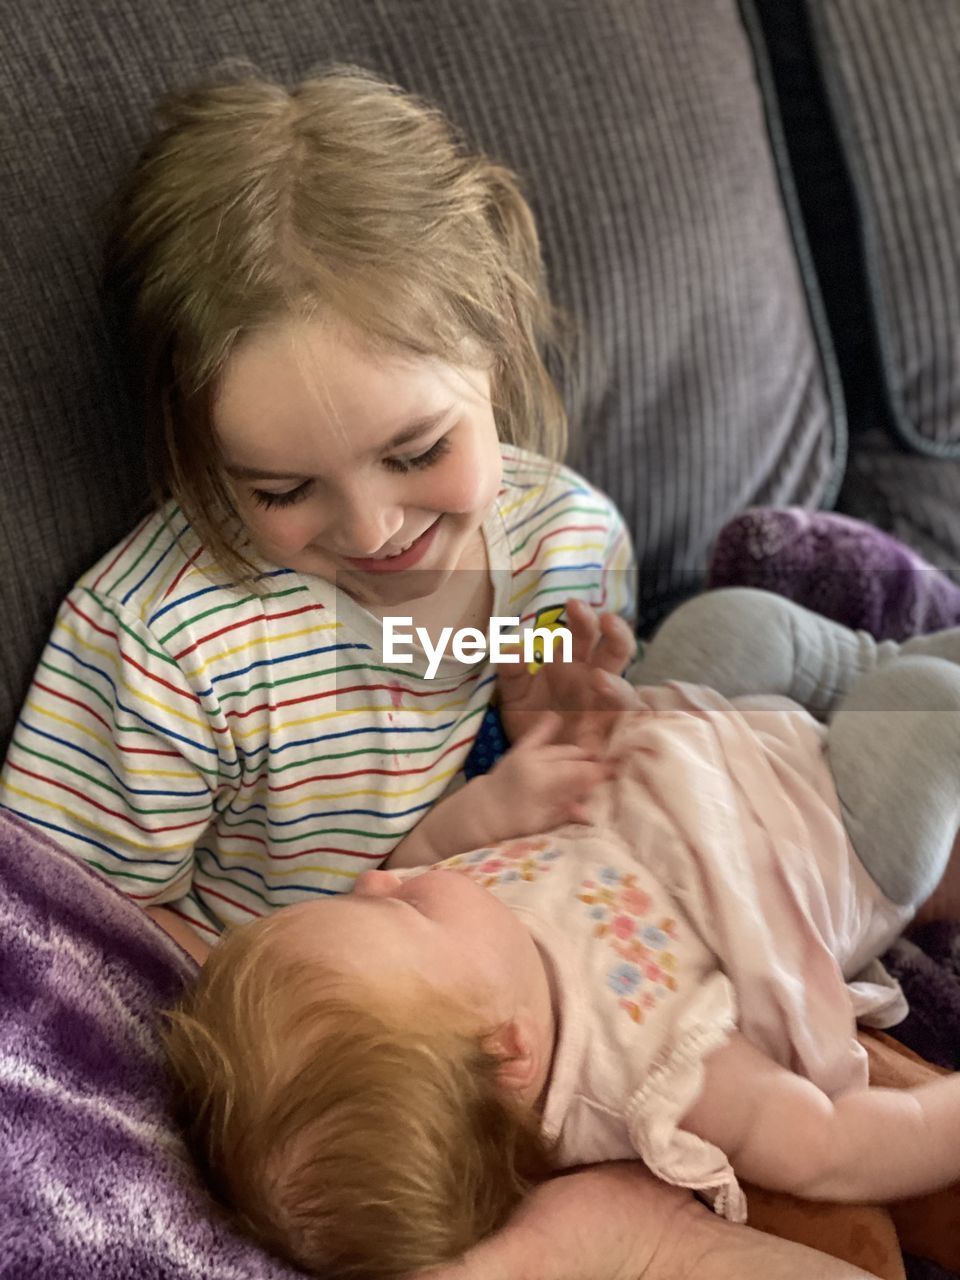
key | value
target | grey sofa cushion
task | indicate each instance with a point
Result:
(909, 495)
(639, 131)
(892, 71)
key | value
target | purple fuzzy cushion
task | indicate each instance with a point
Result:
(837, 566)
(95, 1182)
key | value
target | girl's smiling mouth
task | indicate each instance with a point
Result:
(405, 559)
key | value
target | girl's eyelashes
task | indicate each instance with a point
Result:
(426, 459)
(274, 501)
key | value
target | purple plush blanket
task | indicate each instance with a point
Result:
(95, 1183)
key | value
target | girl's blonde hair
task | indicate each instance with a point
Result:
(345, 198)
(349, 1138)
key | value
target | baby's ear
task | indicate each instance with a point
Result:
(513, 1045)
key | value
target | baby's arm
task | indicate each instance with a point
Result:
(537, 785)
(781, 1132)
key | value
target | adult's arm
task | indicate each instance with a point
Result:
(617, 1222)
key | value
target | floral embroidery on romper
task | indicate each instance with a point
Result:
(644, 970)
(516, 860)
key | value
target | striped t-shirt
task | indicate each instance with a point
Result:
(227, 751)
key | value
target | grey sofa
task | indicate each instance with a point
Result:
(750, 210)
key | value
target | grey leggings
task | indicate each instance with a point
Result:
(892, 710)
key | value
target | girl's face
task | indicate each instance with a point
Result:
(374, 471)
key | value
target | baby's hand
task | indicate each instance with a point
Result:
(588, 692)
(540, 783)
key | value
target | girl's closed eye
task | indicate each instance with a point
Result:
(272, 501)
(439, 449)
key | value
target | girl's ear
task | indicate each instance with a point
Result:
(513, 1045)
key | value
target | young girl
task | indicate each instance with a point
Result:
(335, 315)
(678, 980)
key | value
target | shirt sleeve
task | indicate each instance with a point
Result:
(620, 571)
(116, 754)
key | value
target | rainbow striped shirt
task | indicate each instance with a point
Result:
(226, 752)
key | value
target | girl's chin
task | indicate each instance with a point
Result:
(383, 591)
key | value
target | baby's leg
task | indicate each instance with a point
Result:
(894, 751)
(742, 641)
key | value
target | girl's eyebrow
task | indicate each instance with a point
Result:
(409, 433)
(417, 428)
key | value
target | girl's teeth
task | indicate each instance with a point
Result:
(399, 552)
(392, 555)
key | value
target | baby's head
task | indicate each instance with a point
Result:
(344, 216)
(358, 1076)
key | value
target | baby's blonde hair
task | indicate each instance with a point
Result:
(344, 199)
(351, 1138)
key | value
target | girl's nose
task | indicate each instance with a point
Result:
(367, 522)
(377, 884)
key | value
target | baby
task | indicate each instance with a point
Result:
(373, 1081)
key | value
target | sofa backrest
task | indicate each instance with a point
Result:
(639, 132)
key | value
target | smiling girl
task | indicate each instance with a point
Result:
(334, 314)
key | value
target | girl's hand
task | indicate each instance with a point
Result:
(541, 783)
(587, 692)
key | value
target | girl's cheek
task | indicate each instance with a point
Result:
(288, 531)
(470, 484)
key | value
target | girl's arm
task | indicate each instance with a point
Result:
(781, 1132)
(180, 932)
(617, 1222)
(141, 766)
(537, 785)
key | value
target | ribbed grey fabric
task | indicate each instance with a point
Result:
(893, 71)
(638, 130)
(914, 497)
